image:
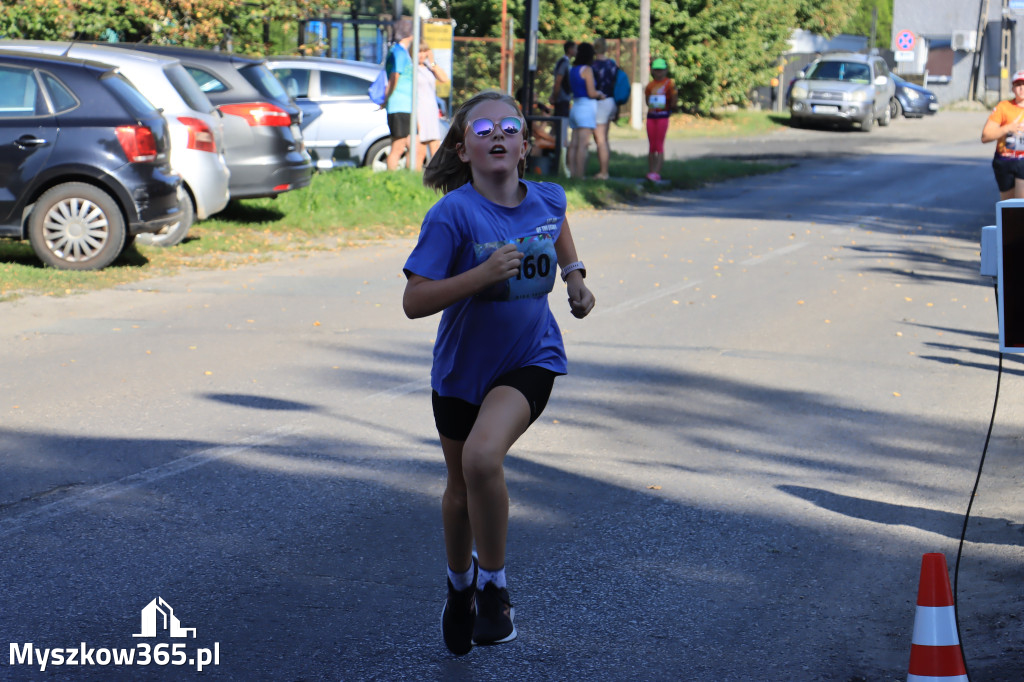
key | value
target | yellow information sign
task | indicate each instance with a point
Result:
(439, 35)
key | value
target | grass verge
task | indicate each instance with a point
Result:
(339, 209)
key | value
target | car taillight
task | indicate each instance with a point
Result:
(200, 137)
(138, 143)
(259, 113)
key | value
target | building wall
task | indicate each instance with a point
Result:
(933, 23)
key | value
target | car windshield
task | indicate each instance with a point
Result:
(840, 71)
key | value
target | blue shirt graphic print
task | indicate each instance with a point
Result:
(506, 327)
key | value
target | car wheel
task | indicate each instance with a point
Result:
(377, 156)
(76, 226)
(886, 116)
(174, 233)
(866, 124)
(897, 108)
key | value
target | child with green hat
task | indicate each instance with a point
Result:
(660, 94)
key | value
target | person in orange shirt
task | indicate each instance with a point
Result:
(1005, 127)
(660, 94)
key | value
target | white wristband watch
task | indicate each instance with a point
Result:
(572, 267)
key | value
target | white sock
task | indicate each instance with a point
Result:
(461, 581)
(496, 577)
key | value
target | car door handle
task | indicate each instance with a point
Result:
(29, 141)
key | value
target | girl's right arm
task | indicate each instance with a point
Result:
(424, 297)
(993, 131)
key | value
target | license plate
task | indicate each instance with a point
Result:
(825, 109)
(932, 106)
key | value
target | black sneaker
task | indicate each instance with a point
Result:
(458, 616)
(495, 616)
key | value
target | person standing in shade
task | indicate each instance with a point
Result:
(561, 95)
(428, 117)
(488, 254)
(661, 101)
(583, 115)
(399, 69)
(605, 71)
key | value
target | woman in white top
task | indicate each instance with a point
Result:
(428, 75)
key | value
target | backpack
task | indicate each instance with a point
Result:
(621, 87)
(379, 88)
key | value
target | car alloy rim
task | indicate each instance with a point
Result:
(76, 230)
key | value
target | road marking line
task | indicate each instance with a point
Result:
(401, 389)
(757, 260)
(99, 493)
(646, 298)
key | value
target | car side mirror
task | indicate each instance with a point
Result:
(881, 80)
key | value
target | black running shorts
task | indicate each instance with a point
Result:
(1007, 171)
(455, 417)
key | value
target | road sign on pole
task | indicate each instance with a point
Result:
(905, 40)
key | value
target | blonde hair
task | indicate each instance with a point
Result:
(446, 171)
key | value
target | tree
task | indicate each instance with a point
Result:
(196, 23)
(859, 23)
(825, 17)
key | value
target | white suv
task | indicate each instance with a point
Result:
(843, 87)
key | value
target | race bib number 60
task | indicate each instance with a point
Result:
(536, 276)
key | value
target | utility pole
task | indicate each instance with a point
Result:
(874, 30)
(643, 74)
(972, 91)
(530, 53)
(1004, 53)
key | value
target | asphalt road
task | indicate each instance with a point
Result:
(777, 407)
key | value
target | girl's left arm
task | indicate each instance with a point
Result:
(581, 300)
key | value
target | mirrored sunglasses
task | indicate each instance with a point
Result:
(510, 125)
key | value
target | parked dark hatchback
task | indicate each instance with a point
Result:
(912, 100)
(262, 125)
(84, 161)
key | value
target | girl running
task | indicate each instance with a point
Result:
(486, 259)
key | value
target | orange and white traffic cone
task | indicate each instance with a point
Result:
(935, 654)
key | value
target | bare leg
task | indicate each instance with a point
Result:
(574, 143)
(458, 535)
(1018, 190)
(398, 148)
(421, 155)
(504, 417)
(603, 152)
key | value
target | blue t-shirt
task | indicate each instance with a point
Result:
(399, 61)
(510, 325)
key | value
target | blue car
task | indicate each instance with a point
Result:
(912, 101)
